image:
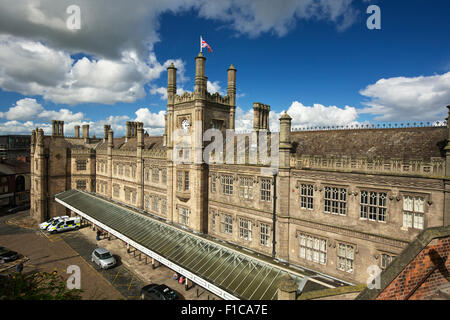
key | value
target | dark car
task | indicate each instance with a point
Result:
(7, 255)
(158, 292)
(18, 208)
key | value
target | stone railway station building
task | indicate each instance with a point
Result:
(340, 201)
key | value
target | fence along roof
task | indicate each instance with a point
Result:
(237, 274)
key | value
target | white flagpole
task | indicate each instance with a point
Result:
(200, 43)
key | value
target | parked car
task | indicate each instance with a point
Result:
(7, 255)
(103, 258)
(44, 225)
(158, 292)
(18, 208)
(65, 225)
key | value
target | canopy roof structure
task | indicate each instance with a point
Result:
(224, 271)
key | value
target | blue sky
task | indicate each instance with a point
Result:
(315, 59)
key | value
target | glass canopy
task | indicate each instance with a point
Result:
(225, 271)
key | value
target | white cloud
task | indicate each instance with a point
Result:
(29, 109)
(30, 68)
(302, 116)
(420, 98)
(109, 27)
(256, 17)
(16, 127)
(150, 119)
(28, 114)
(320, 115)
(162, 91)
(243, 119)
(214, 87)
(23, 110)
(36, 45)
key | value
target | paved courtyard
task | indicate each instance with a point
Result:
(55, 252)
(142, 267)
(51, 253)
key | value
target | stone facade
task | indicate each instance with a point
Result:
(339, 201)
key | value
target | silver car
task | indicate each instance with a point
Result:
(103, 258)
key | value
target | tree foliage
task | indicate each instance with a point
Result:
(36, 286)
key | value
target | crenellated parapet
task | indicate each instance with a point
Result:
(217, 98)
(210, 97)
(185, 97)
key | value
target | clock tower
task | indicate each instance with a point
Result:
(188, 116)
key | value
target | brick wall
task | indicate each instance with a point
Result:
(431, 264)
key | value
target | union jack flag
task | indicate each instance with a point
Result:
(203, 44)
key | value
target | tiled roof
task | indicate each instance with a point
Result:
(152, 142)
(404, 143)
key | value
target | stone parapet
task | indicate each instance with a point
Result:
(433, 167)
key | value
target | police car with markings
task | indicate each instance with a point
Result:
(44, 225)
(73, 223)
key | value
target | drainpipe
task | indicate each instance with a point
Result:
(46, 179)
(274, 213)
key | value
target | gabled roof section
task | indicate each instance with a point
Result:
(403, 260)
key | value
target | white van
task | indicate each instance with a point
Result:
(44, 225)
(64, 225)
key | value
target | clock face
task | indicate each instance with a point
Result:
(185, 125)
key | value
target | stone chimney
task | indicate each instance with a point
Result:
(231, 93)
(77, 131)
(140, 134)
(261, 116)
(132, 130)
(57, 128)
(106, 129)
(285, 145)
(171, 83)
(85, 129)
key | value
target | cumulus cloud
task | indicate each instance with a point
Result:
(162, 91)
(30, 68)
(117, 38)
(109, 27)
(253, 18)
(28, 114)
(29, 109)
(420, 98)
(302, 116)
(214, 87)
(16, 127)
(320, 115)
(150, 119)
